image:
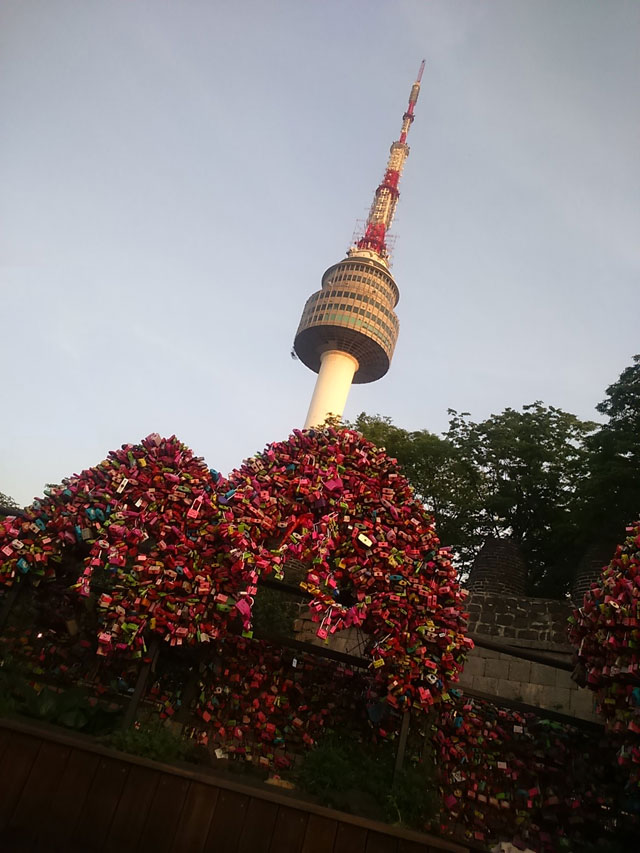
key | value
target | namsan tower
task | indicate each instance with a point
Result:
(348, 330)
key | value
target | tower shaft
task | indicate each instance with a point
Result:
(332, 386)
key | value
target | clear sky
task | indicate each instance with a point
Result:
(176, 176)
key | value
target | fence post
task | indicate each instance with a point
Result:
(141, 684)
(402, 746)
(9, 601)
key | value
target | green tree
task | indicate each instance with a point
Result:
(611, 493)
(515, 474)
(443, 477)
(7, 501)
(530, 465)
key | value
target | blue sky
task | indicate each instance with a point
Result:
(175, 177)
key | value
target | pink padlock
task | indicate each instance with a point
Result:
(194, 510)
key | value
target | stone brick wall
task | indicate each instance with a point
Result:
(532, 624)
(508, 677)
(539, 623)
(349, 642)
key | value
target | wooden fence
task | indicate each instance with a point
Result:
(61, 792)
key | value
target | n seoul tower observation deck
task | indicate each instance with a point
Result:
(348, 330)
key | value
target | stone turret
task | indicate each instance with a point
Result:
(499, 568)
(594, 558)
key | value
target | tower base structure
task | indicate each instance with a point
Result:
(332, 386)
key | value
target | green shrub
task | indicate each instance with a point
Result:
(358, 777)
(274, 613)
(152, 740)
(7, 702)
(74, 708)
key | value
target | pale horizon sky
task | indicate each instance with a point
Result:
(175, 178)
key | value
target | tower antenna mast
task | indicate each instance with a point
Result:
(386, 196)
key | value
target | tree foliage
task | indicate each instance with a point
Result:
(7, 501)
(513, 474)
(558, 485)
(611, 492)
(442, 476)
(530, 465)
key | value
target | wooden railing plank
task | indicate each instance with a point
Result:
(18, 759)
(4, 740)
(350, 839)
(131, 812)
(101, 804)
(320, 835)
(68, 799)
(195, 819)
(258, 828)
(288, 834)
(379, 843)
(414, 847)
(163, 817)
(33, 807)
(228, 820)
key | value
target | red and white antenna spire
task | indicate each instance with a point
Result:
(387, 194)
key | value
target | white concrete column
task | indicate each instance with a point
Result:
(332, 386)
